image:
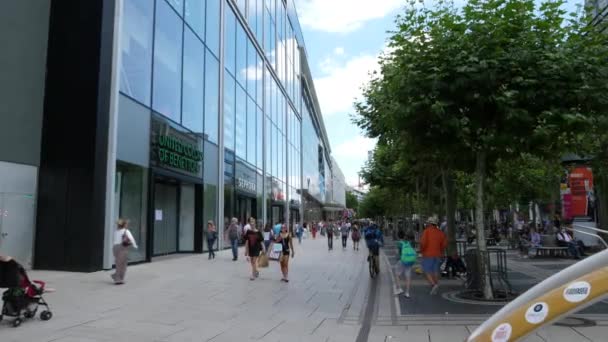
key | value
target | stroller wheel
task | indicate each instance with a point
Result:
(46, 315)
(17, 322)
(29, 314)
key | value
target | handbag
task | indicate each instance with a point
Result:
(125, 239)
(263, 260)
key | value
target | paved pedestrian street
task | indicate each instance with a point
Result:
(190, 298)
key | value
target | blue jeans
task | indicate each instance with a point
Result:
(234, 243)
(211, 245)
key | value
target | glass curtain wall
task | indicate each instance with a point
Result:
(170, 64)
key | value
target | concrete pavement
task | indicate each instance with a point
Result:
(190, 298)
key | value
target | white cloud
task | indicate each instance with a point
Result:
(351, 155)
(355, 148)
(343, 15)
(341, 84)
(339, 51)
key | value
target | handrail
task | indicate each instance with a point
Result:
(590, 234)
(566, 292)
(593, 228)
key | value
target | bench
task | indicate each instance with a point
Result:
(550, 248)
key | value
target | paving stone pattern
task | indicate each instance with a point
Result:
(190, 298)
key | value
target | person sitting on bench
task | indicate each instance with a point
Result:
(576, 248)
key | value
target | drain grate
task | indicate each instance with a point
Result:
(575, 322)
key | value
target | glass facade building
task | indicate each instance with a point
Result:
(199, 111)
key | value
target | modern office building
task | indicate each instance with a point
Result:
(170, 113)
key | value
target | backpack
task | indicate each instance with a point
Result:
(370, 234)
(408, 253)
(233, 233)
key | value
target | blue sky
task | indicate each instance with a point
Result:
(343, 40)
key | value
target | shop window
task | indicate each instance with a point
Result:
(167, 62)
(178, 5)
(130, 200)
(136, 50)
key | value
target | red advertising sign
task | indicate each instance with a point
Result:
(580, 182)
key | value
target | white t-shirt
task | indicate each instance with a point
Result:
(118, 233)
(247, 227)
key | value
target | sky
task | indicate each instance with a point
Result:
(343, 40)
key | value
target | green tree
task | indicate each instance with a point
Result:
(351, 201)
(492, 81)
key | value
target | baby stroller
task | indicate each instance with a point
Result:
(23, 296)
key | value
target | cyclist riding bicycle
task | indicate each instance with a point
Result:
(373, 239)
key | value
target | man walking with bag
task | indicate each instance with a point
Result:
(232, 233)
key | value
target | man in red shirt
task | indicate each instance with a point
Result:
(432, 246)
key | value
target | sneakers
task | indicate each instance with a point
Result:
(257, 274)
(434, 289)
(398, 292)
(407, 295)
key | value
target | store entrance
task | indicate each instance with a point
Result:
(245, 208)
(277, 214)
(165, 218)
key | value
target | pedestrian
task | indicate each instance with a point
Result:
(211, 237)
(344, 234)
(406, 261)
(356, 236)
(330, 235)
(284, 238)
(299, 233)
(123, 240)
(253, 247)
(267, 236)
(232, 233)
(314, 230)
(432, 245)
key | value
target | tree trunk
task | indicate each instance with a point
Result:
(534, 215)
(429, 197)
(483, 262)
(417, 207)
(450, 204)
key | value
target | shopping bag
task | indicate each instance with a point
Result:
(263, 260)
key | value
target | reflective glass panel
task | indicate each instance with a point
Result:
(241, 55)
(229, 110)
(194, 13)
(230, 41)
(194, 83)
(251, 134)
(212, 20)
(212, 94)
(178, 5)
(241, 123)
(136, 49)
(167, 62)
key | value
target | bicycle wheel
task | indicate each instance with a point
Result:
(377, 264)
(372, 268)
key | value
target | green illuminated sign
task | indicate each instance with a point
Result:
(174, 152)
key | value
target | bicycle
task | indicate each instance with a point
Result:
(374, 265)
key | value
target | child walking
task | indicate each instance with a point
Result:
(406, 262)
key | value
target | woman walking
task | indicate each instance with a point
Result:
(123, 239)
(253, 247)
(232, 233)
(286, 242)
(211, 237)
(267, 236)
(356, 236)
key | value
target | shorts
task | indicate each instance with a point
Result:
(284, 259)
(404, 270)
(431, 264)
